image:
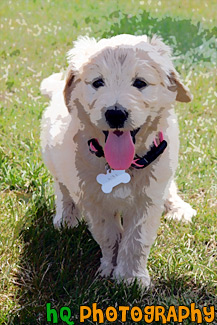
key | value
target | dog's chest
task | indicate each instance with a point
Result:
(121, 192)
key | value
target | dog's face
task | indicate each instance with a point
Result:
(122, 83)
(121, 89)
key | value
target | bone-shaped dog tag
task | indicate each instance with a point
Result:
(112, 179)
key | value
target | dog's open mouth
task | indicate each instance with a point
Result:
(119, 148)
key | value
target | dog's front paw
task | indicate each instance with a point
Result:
(57, 222)
(68, 222)
(143, 281)
(142, 278)
(180, 210)
(106, 268)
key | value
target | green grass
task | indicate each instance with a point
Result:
(39, 264)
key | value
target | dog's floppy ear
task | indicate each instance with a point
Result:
(183, 93)
(69, 86)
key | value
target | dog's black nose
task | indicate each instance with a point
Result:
(116, 117)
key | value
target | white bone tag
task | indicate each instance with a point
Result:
(112, 179)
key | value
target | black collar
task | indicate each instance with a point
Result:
(138, 162)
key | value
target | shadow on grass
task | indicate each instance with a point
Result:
(55, 266)
(59, 268)
(192, 43)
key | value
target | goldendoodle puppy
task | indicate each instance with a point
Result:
(110, 139)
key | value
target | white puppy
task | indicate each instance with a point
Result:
(114, 112)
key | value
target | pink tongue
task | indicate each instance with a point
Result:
(119, 150)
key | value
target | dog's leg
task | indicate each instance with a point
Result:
(107, 231)
(176, 208)
(138, 236)
(67, 213)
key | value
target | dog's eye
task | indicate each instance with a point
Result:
(98, 83)
(139, 83)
